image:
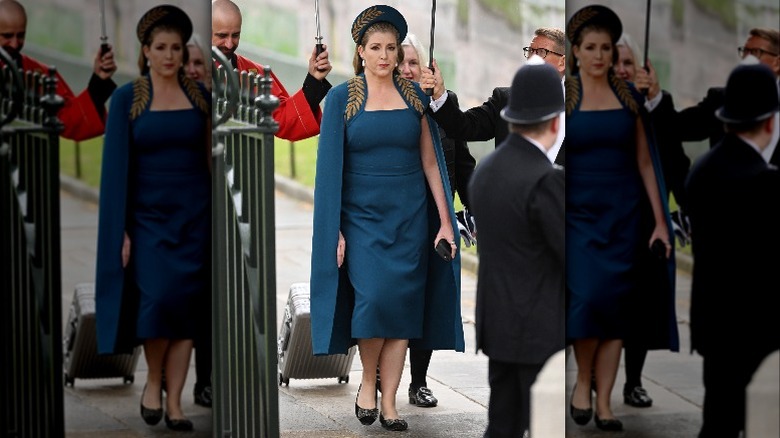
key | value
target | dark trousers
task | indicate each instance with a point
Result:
(726, 376)
(509, 409)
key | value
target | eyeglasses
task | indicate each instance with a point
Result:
(529, 51)
(745, 51)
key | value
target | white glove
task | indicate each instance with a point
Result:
(467, 227)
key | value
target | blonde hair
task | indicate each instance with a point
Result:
(412, 40)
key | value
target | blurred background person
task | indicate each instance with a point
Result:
(611, 170)
(154, 227)
(649, 315)
(198, 66)
(460, 166)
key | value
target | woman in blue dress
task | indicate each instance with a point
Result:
(612, 174)
(154, 233)
(380, 206)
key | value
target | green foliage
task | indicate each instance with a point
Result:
(509, 9)
(89, 155)
(273, 28)
(53, 26)
(723, 9)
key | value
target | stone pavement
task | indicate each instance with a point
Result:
(324, 408)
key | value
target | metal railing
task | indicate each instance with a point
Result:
(31, 390)
(244, 264)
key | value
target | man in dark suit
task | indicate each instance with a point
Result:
(483, 122)
(699, 122)
(732, 197)
(520, 290)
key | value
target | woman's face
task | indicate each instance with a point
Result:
(626, 65)
(410, 68)
(196, 66)
(380, 54)
(165, 53)
(594, 53)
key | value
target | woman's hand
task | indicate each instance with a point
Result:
(662, 233)
(125, 250)
(341, 248)
(445, 232)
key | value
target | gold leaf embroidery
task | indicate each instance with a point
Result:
(140, 96)
(356, 96)
(149, 19)
(580, 19)
(363, 19)
(192, 90)
(410, 94)
(623, 93)
(572, 93)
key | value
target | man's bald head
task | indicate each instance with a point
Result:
(13, 26)
(225, 26)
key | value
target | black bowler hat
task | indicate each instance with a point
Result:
(167, 15)
(376, 14)
(751, 95)
(536, 94)
(596, 15)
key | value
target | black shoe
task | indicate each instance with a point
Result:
(180, 425)
(422, 397)
(580, 416)
(610, 424)
(203, 396)
(366, 416)
(637, 397)
(151, 416)
(396, 424)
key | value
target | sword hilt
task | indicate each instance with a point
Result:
(429, 91)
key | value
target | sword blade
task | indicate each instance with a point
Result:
(103, 34)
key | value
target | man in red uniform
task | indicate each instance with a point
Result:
(83, 116)
(298, 115)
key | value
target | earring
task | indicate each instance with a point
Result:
(148, 63)
(578, 62)
(396, 65)
(363, 63)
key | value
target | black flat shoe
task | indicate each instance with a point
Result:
(179, 425)
(637, 397)
(610, 424)
(422, 397)
(395, 424)
(366, 416)
(203, 396)
(151, 416)
(580, 416)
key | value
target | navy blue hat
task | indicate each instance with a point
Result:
(596, 15)
(751, 95)
(376, 14)
(536, 94)
(167, 15)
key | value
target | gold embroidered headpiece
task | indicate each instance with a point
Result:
(594, 15)
(168, 15)
(376, 14)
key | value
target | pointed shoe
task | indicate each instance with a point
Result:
(151, 416)
(365, 416)
(395, 424)
(610, 424)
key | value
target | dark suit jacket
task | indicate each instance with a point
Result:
(733, 207)
(699, 122)
(460, 162)
(480, 123)
(674, 162)
(518, 202)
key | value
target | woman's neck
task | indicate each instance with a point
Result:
(160, 82)
(594, 82)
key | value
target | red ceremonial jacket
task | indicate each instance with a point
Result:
(294, 115)
(79, 116)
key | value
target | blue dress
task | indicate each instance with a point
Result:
(155, 185)
(370, 186)
(384, 223)
(169, 212)
(603, 192)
